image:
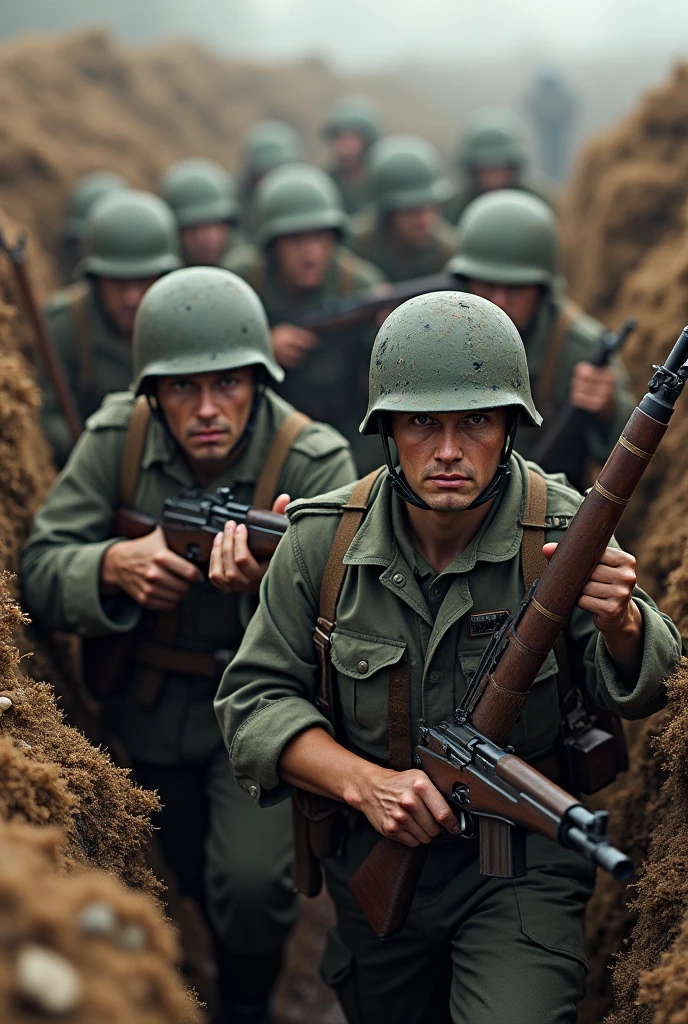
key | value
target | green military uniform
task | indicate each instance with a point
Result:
(353, 114)
(202, 192)
(128, 234)
(405, 173)
(493, 140)
(235, 861)
(511, 238)
(330, 383)
(475, 950)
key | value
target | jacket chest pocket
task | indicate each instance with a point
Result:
(362, 665)
(538, 726)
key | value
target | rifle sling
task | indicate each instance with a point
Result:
(83, 341)
(567, 314)
(268, 480)
(132, 452)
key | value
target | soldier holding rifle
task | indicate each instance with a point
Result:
(205, 416)
(401, 600)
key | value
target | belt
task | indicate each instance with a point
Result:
(210, 664)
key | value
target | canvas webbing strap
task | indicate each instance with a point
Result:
(533, 564)
(268, 480)
(82, 335)
(132, 452)
(567, 314)
(256, 275)
(347, 275)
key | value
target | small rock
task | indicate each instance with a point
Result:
(97, 919)
(132, 937)
(48, 980)
(5, 705)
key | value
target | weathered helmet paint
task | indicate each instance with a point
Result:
(200, 192)
(405, 173)
(294, 199)
(85, 192)
(130, 234)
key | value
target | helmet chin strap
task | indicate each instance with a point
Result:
(401, 486)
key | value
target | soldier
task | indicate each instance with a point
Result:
(202, 196)
(84, 193)
(129, 241)
(438, 548)
(299, 261)
(552, 108)
(508, 254)
(267, 145)
(202, 365)
(493, 157)
(351, 129)
(405, 235)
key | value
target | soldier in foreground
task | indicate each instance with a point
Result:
(493, 157)
(405, 234)
(84, 194)
(202, 196)
(129, 242)
(299, 260)
(351, 130)
(508, 254)
(205, 417)
(435, 555)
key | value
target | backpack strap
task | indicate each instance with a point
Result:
(82, 334)
(567, 314)
(347, 275)
(256, 274)
(132, 452)
(268, 480)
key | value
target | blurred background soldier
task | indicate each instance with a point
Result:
(351, 130)
(508, 254)
(299, 261)
(405, 234)
(86, 191)
(267, 145)
(552, 109)
(130, 240)
(493, 156)
(203, 198)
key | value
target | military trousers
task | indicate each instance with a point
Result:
(475, 950)
(231, 856)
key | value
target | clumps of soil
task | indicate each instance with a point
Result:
(80, 946)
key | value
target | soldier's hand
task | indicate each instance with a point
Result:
(233, 569)
(292, 344)
(608, 594)
(148, 572)
(404, 806)
(593, 389)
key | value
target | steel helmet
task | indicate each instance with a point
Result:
(130, 235)
(85, 192)
(200, 192)
(294, 199)
(405, 173)
(353, 114)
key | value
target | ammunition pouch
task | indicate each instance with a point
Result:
(318, 834)
(594, 749)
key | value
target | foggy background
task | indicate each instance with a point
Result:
(466, 54)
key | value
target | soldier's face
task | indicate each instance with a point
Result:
(487, 179)
(121, 298)
(207, 412)
(205, 244)
(348, 149)
(414, 228)
(303, 260)
(448, 458)
(519, 302)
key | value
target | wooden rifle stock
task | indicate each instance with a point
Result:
(359, 307)
(495, 702)
(51, 360)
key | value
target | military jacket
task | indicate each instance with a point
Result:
(331, 384)
(467, 191)
(95, 356)
(371, 241)
(60, 567)
(393, 604)
(356, 194)
(595, 440)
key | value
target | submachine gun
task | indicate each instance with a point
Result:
(466, 757)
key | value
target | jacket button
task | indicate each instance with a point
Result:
(434, 676)
(398, 579)
(253, 792)
(362, 667)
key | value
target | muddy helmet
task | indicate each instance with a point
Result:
(353, 114)
(290, 200)
(200, 320)
(85, 192)
(200, 192)
(130, 234)
(493, 139)
(507, 237)
(405, 173)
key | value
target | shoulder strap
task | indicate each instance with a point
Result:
(268, 480)
(347, 275)
(84, 349)
(130, 464)
(256, 275)
(533, 564)
(568, 313)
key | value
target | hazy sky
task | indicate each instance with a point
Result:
(364, 33)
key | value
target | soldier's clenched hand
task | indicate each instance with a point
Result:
(291, 344)
(593, 389)
(233, 569)
(148, 572)
(404, 806)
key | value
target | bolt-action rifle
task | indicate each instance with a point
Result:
(51, 359)
(466, 758)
